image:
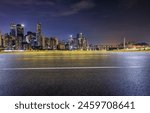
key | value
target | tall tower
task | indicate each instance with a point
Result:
(39, 34)
(80, 35)
(124, 43)
(38, 28)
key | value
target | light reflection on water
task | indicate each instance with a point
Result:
(123, 81)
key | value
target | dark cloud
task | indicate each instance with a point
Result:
(128, 3)
(26, 7)
(44, 2)
(82, 5)
(53, 8)
(75, 8)
(28, 2)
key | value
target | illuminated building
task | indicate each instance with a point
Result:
(17, 40)
(1, 40)
(70, 44)
(20, 30)
(82, 43)
(43, 42)
(30, 40)
(137, 46)
(50, 43)
(124, 43)
(53, 43)
(78, 43)
(39, 35)
(13, 29)
(75, 43)
(13, 35)
(61, 46)
(20, 36)
(7, 42)
(47, 43)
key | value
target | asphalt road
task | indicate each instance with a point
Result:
(103, 74)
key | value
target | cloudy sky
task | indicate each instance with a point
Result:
(101, 21)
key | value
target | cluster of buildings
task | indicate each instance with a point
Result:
(123, 46)
(18, 40)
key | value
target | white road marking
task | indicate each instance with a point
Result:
(73, 68)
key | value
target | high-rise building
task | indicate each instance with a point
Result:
(30, 39)
(82, 43)
(43, 42)
(70, 43)
(70, 40)
(7, 42)
(124, 43)
(13, 29)
(53, 43)
(13, 36)
(80, 35)
(1, 40)
(47, 43)
(39, 28)
(20, 30)
(20, 36)
(39, 34)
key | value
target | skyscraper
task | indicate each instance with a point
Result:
(39, 34)
(20, 30)
(13, 35)
(43, 42)
(20, 35)
(13, 29)
(38, 28)
(80, 35)
(82, 43)
(53, 43)
(1, 40)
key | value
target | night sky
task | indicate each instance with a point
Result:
(101, 21)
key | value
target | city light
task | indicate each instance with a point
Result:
(18, 40)
(13, 50)
(22, 25)
(71, 36)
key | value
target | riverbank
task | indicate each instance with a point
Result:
(68, 52)
(51, 52)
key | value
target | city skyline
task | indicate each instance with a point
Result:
(40, 29)
(105, 22)
(18, 39)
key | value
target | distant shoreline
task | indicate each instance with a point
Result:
(71, 52)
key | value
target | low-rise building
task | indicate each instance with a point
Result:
(61, 46)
